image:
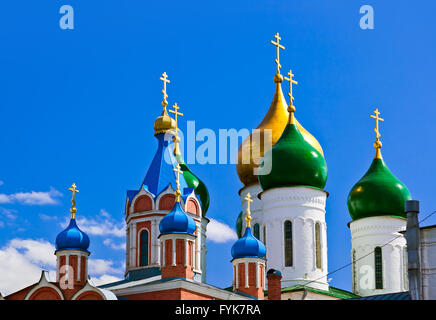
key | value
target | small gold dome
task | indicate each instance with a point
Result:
(276, 120)
(163, 123)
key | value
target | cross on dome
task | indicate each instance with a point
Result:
(248, 217)
(377, 143)
(176, 138)
(177, 193)
(278, 46)
(73, 209)
(165, 80)
(291, 80)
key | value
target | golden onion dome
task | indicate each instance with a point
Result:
(163, 123)
(275, 119)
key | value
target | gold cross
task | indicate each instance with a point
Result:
(73, 209)
(176, 138)
(279, 46)
(165, 80)
(178, 172)
(248, 217)
(377, 119)
(291, 82)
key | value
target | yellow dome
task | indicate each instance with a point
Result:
(163, 123)
(276, 120)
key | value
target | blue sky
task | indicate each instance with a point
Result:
(79, 105)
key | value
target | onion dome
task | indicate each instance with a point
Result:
(248, 246)
(177, 221)
(163, 123)
(378, 192)
(194, 182)
(293, 160)
(72, 238)
(275, 120)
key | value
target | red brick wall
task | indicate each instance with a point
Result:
(45, 293)
(274, 287)
(251, 290)
(89, 295)
(172, 294)
(143, 203)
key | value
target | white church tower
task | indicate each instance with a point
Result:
(376, 205)
(288, 211)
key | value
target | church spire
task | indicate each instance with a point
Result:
(377, 143)
(176, 137)
(278, 78)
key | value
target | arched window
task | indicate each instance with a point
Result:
(288, 243)
(354, 271)
(167, 202)
(192, 207)
(143, 203)
(378, 262)
(264, 235)
(143, 253)
(318, 244)
(256, 230)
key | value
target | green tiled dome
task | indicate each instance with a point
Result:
(294, 162)
(378, 193)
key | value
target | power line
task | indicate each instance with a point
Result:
(349, 264)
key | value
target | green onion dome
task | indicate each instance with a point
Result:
(239, 225)
(293, 162)
(378, 193)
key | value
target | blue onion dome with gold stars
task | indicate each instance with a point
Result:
(160, 173)
(293, 161)
(177, 221)
(72, 238)
(378, 192)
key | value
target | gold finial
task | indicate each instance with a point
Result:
(377, 143)
(176, 138)
(73, 209)
(165, 80)
(248, 217)
(177, 193)
(291, 108)
(278, 77)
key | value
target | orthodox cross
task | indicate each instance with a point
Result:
(377, 119)
(73, 209)
(248, 217)
(176, 138)
(178, 172)
(279, 46)
(165, 80)
(291, 82)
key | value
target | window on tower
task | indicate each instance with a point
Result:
(143, 259)
(318, 244)
(288, 243)
(256, 231)
(378, 262)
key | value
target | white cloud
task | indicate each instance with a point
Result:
(45, 217)
(32, 198)
(110, 243)
(101, 266)
(100, 227)
(220, 232)
(104, 279)
(22, 260)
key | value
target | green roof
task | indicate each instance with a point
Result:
(332, 291)
(378, 193)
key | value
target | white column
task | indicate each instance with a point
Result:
(246, 275)
(186, 252)
(174, 252)
(257, 274)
